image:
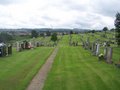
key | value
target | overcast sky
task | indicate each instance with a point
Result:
(92, 14)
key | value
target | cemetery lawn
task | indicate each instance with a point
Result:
(17, 70)
(75, 68)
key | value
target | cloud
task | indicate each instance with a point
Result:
(93, 14)
(106, 7)
(8, 2)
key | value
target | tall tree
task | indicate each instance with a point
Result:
(34, 34)
(105, 29)
(117, 29)
(93, 31)
(54, 37)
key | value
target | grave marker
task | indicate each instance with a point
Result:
(109, 55)
(19, 47)
(97, 49)
(105, 53)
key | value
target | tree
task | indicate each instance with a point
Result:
(34, 34)
(105, 29)
(93, 31)
(41, 34)
(112, 29)
(117, 29)
(5, 37)
(54, 37)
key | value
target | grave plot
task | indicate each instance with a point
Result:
(98, 48)
(20, 46)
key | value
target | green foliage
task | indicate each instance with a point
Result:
(93, 31)
(41, 34)
(105, 29)
(54, 37)
(117, 25)
(34, 34)
(112, 29)
(4, 37)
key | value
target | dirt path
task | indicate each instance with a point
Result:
(37, 82)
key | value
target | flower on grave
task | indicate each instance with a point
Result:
(100, 55)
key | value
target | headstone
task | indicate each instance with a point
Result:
(9, 49)
(109, 55)
(70, 40)
(97, 49)
(94, 47)
(6, 50)
(87, 43)
(22, 46)
(18, 46)
(105, 53)
(3, 50)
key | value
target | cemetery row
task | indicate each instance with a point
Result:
(102, 48)
(6, 50)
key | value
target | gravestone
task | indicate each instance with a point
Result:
(97, 49)
(18, 46)
(30, 45)
(82, 42)
(2, 49)
(109, 55)
(87, 43)
(94, 45)
(70, 40)
(9, 49)
(21, 46)
(6, 50)
(105, 53)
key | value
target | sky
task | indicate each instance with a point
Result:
(84, 14)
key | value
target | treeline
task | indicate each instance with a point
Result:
(5, 37)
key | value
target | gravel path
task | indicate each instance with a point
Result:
(37, 82)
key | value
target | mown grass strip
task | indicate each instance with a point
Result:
(17, 70)
(76, 69)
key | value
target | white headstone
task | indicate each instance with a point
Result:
(97, 49)
(18, 46)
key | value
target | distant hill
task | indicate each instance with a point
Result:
(46, 29)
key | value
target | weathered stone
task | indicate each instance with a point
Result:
(109, 55)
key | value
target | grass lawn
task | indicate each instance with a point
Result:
(76, 69)
(17, 70)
